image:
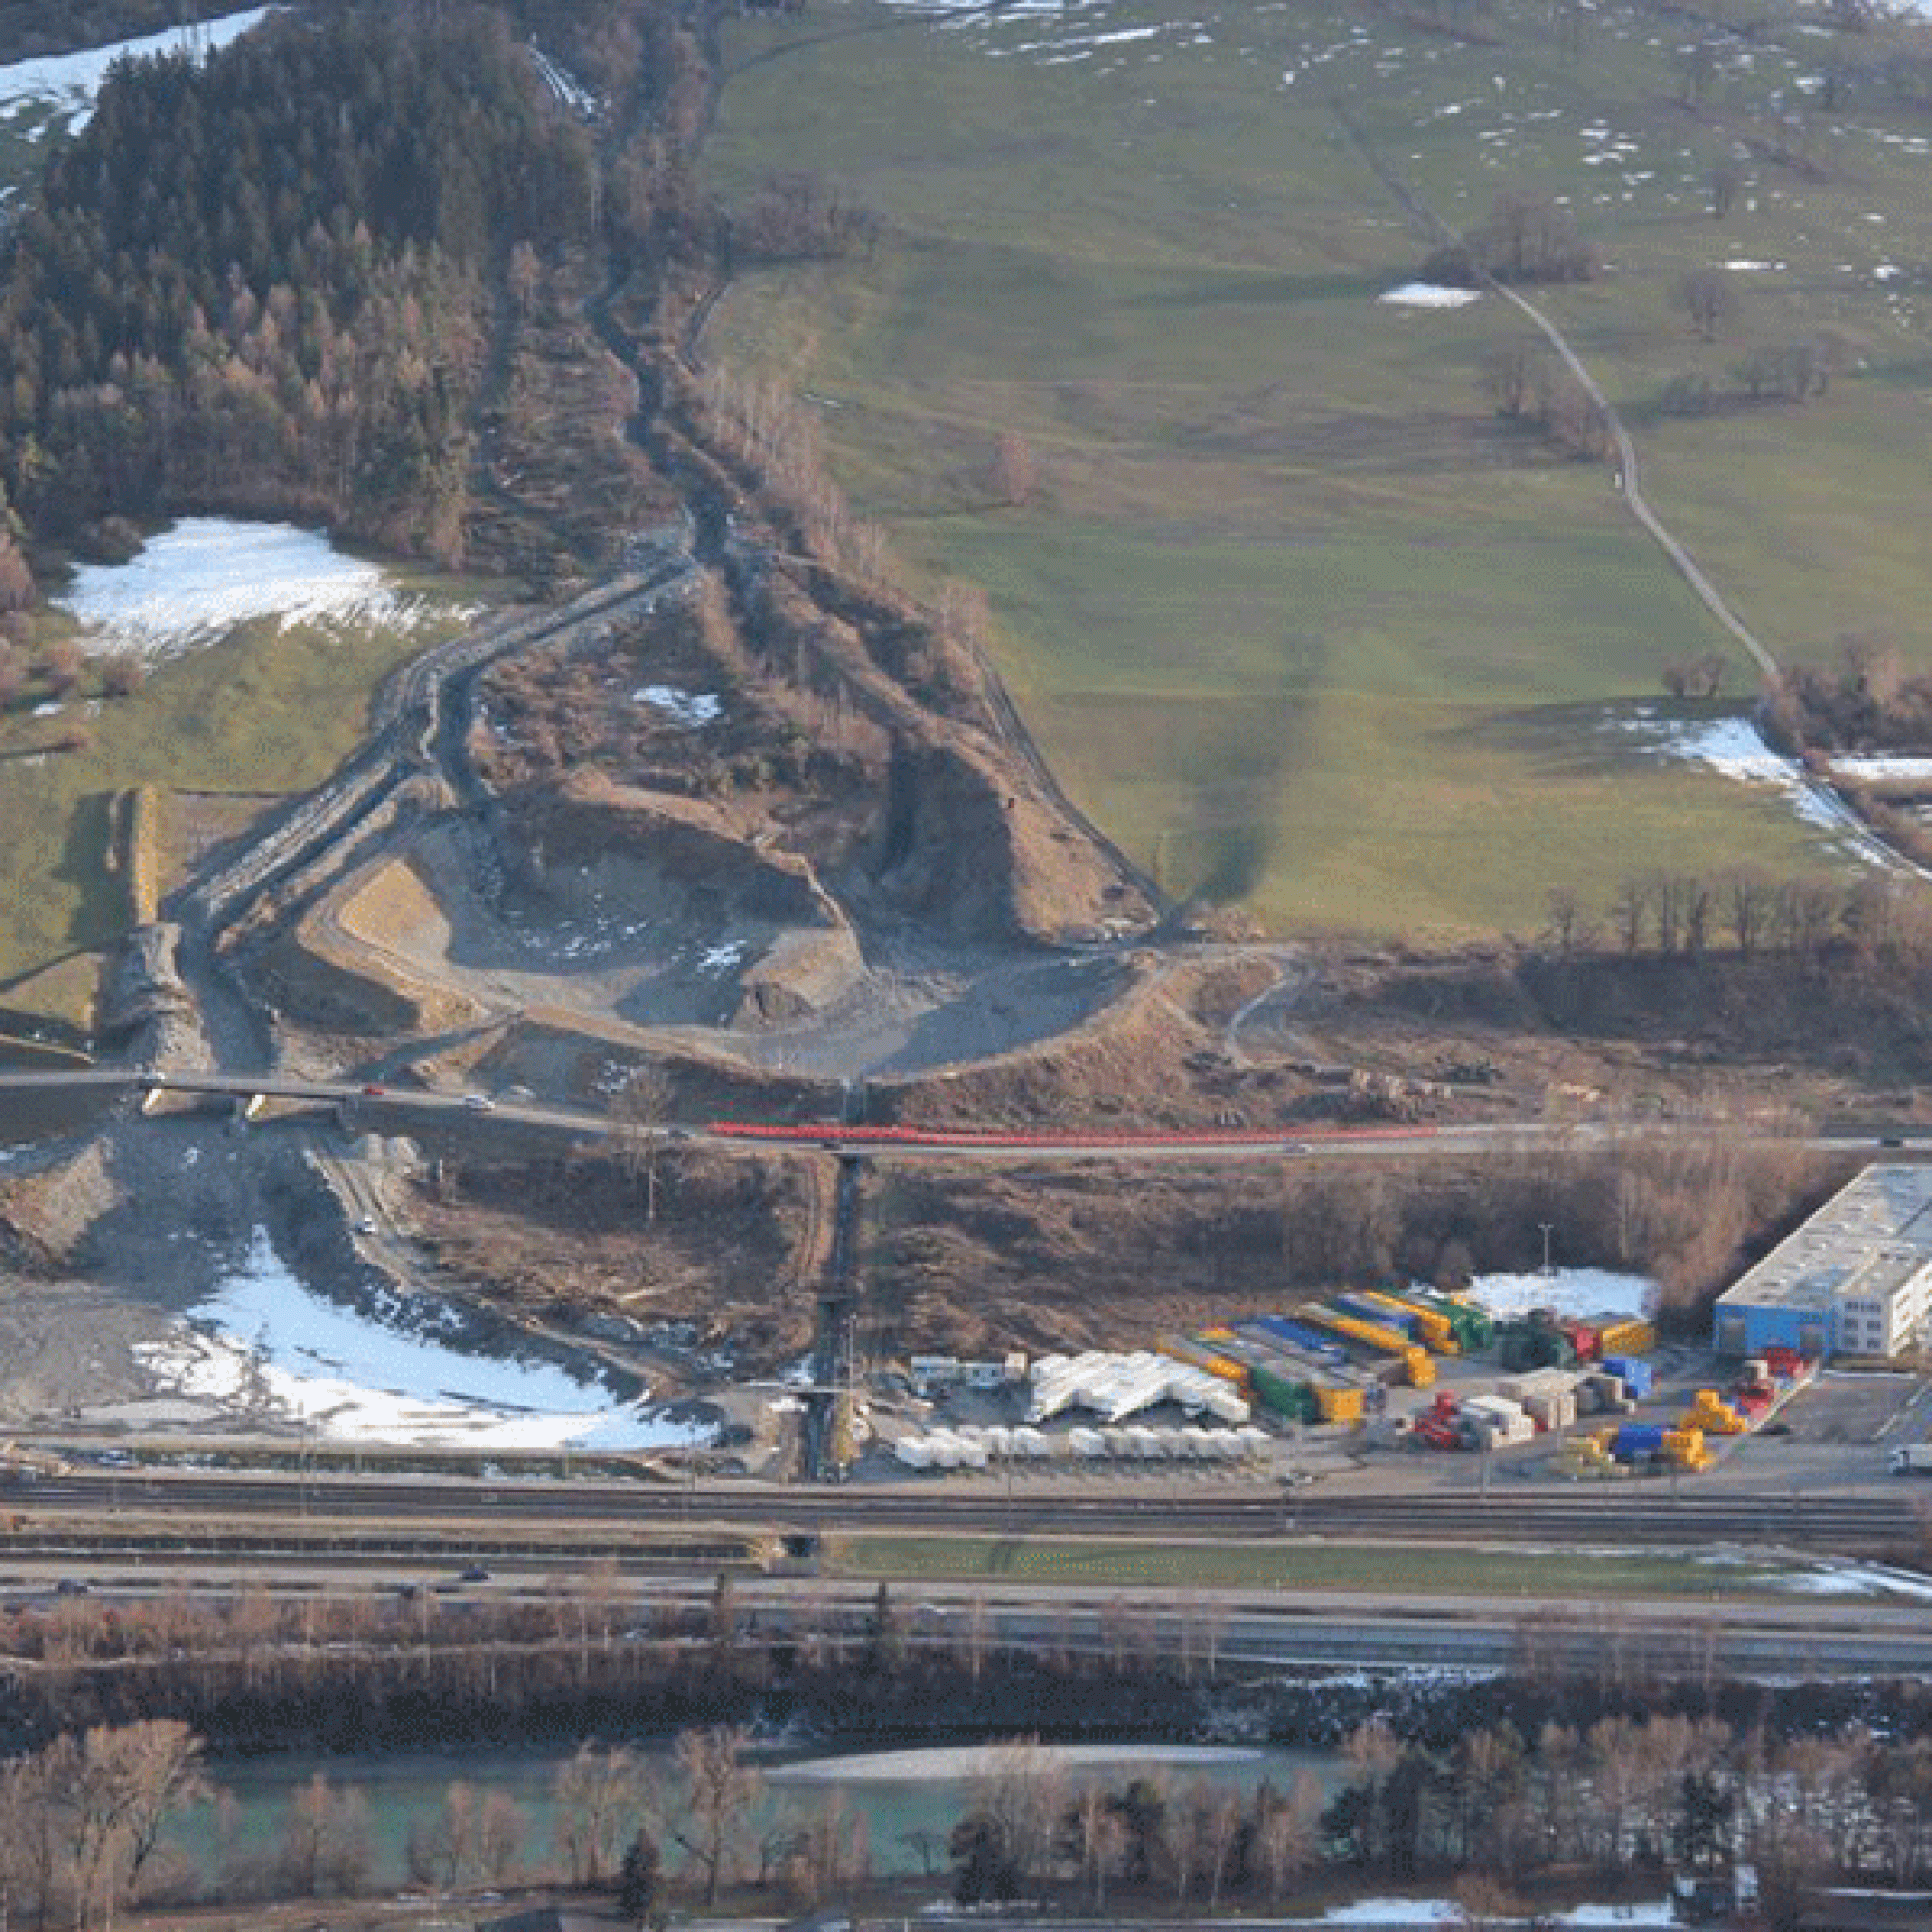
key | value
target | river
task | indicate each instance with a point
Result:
(908, 1799)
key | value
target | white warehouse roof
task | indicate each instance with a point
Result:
(1870, 1237)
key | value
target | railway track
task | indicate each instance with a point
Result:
(1854, 1523)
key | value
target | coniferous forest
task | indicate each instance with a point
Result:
(292, 279)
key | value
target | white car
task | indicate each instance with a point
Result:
(479, 1103)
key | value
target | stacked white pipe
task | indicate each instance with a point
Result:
(1115, 1387)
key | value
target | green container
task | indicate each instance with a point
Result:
(1293, 1401)
(1472, 1327)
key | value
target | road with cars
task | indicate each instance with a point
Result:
(1525, 1629)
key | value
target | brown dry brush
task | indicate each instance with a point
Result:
(1689, 1208)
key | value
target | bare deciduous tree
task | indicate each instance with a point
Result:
(639, 1110)
(600, 1796)
(1709, 298)
(719, 1789)
(1510, 376)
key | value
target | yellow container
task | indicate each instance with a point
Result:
(1436, 1334)
(1334, 1402)
(1198, 1356)
(1627, 1338)
(1370, 1334)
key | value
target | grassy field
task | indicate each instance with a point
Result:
(1295, 615)
(1448, 1569)
(260, 711)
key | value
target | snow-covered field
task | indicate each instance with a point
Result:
(1734, 749)
(60, 89)
(200, 579)
(264, 1339)
(1573, 1291)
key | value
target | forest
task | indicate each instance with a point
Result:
(284, 280)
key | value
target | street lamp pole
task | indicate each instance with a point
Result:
(1548, 1228)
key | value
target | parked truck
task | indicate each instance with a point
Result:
(1912, 1459)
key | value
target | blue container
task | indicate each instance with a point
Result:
(1636, 1374)
(1638, 1439)
(1303, 1337)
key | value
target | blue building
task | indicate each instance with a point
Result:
(1855, 1280)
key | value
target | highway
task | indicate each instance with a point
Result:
(1235, 1628)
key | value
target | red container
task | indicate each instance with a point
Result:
(1587, 1341)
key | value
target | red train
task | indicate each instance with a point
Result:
(830, 1131)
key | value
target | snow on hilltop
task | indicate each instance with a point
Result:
(63, 86)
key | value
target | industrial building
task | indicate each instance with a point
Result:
(1855, 1280)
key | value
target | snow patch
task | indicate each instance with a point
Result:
(1428, 295)
(65, 86)
(567, 92)
(1574, 1291)
(1410, 1911)
(264, 1338)
(689, 708)
(200, 579)
(1874, 767)
(1734, 749)
(1861, 1580)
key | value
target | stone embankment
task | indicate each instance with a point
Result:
(412, 727)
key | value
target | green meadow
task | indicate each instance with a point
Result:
(1297, 616)
(260, 710)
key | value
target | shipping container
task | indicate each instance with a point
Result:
(1583, 1339)
(1302, 1335)
(1638, 1439)
(1425, 1325)
(1340, 1401)
(1621, 1335)
(1533, 1345)
(1197, 1355)
(1638, 1377)
(1292, 1400)
(1364, 1307)
(1473, 1326)
(1417, 1369)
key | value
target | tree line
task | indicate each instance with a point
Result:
(1642, 1756)
(1644, 1793)
(1868, 923)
